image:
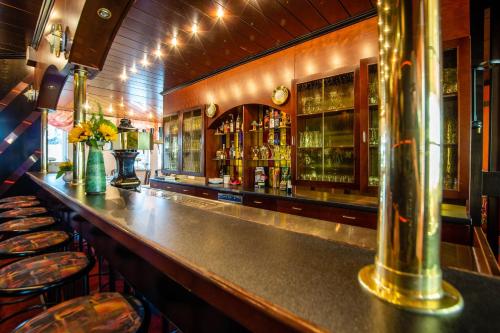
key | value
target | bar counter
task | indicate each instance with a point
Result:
(262, 278)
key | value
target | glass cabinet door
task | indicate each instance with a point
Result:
(450, 120)
(170, 144)
(373, 162)
(192, 135)
(326, 130)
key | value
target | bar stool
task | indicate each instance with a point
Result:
(18, 198)
(17, 213)
(19, 204)
(37, 274)
(24, 225)
(40, 274)
(33, 244)
(101, 312)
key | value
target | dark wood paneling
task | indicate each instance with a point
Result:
(17, 24)
(90, 26)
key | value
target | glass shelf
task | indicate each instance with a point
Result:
(325, 126)
(450, 120)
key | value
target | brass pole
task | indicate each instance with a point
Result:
(407, 270)
(44, 119)
(79, 100)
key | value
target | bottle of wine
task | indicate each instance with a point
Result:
(271, 119)
(266, 119)
(238, 123)
(289, 184)
(231, 124)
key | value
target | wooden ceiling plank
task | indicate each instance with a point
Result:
(332, 10)
(305, 12)
(356, 7)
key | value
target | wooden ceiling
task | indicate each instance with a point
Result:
(248, 28)
(17, 24)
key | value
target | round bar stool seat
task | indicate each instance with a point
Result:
(42, 272)
(28, 224)
(18, 213)
(18, 198)
(33, 243)
(19, 204)
(101, 312)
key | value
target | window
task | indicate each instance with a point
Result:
(58, 144)
(142, 160)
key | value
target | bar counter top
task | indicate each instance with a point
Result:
(304, 282)
(450, 213)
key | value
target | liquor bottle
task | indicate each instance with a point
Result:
(226, 126)
(238, 123)
(225, 151)
(289, 184)
(276, 118)
(266, 119)
(283, 180)
(221, 171)
(260, 124)
(231, 124)
(271, 119)
(232, 151)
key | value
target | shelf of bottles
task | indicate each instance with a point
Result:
(325, 123)
(268, 154)
(229, 154)
(373, 138)
(171, 144)
(450, 120)
(192, 147)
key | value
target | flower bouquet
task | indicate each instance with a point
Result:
(95, 133)
(65, 169)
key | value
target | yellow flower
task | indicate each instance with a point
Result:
(108, 132)
(80, 133)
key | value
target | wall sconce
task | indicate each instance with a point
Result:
(57, 39)
(31, 94)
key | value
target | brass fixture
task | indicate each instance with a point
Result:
(80, 103)
(44, 158)
(407, 270)
(57, 39)
(104, 13)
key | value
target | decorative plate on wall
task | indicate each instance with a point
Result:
(211, 110)
(280, 95)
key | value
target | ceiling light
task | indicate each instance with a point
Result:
(104, 13)
(86, 106)
(110, 108)
(124, 76)
(133, 69)
(158, 51)
(121, 103)
(220, 12)
(174, 41)
(194, 29)
(150, 115)
(144, 61)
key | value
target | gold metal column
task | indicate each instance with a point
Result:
(407, 270)
(44, 119)
(79, 100)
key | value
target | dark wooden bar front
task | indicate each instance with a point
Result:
(210, 273)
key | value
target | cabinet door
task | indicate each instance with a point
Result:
(192, 142)
(171, 144)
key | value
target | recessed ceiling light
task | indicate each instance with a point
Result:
(220, 12)
(174, 41)
(124, 76)
(110, 109)
(144, 61)
(158, 51)
(194, 29)
(104, 13)
(133, 69)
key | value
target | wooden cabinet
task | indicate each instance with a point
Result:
(184, 138)
(327, 125)
(259, 201)
(456, 121)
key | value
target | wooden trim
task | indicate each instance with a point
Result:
(483, 256)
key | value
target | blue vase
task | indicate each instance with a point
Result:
(95, 175)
